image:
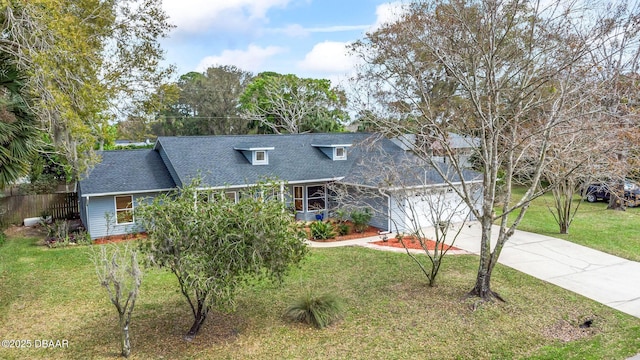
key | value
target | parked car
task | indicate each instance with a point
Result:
(600, 191)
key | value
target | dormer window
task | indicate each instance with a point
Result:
(255, 155)
(260, 157)
(333, 151)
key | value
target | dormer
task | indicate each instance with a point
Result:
(254, 154)
(334, 152)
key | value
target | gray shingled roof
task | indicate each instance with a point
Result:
(127, 171)
(293, 158)
(219, 163)
(396, 169)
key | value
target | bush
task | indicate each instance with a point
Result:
(321, 230)
(361, 219)
(3, 238)
(60, 234)
(320, 311)
(57, 233)
(343, 229)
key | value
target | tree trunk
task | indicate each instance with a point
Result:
(564, 227)
(616, 203)
(126, 341)
(200, 317)
(482, 288)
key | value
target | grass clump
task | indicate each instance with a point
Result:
(319, 311)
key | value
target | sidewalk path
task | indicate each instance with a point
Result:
(605, 278)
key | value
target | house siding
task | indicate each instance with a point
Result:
(367, 199)
(97, 207)
(379, 207)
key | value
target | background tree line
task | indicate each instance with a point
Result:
(225, 100)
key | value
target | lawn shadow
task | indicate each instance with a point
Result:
(158, 330)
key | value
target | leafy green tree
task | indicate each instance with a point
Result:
(207, 104)
(214, 244)
(277, 103)
(18, 131)
(85, 61)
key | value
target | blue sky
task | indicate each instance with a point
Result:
(303, 37)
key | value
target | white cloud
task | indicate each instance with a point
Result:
(328, 57)
(250, 59)
(200, 15)
(388, 13)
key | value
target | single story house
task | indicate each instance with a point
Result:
(307, 165)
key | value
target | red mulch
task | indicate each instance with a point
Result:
(368, 232)
(412, 243)
(119, 238)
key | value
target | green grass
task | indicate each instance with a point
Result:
(613, 232)
(389, 313)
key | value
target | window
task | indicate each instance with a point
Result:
(340, 153)
(260, 157)
(231, 195)
(316, 196)
(298, 198)
(124, 209)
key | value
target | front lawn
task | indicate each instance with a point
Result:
(390, 313)
(614, 232)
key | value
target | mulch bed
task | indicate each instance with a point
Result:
(368, 232)
(119, 238)
(413, 243)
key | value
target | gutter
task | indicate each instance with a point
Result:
(128, 192)
(281, 182)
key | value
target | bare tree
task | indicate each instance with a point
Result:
(506, 72)
(288, 104)
(119, 273)
(425, 208)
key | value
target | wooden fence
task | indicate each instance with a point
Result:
(14, 209)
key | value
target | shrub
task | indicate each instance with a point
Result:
(82, 237)
(321, 230)
(3, 238)
(57, 234)
(61, 234)
(319, 311)
(343, 229)
(361, 219)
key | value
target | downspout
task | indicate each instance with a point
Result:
(388, 208)
(86, 215)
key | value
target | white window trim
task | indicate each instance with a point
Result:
(338, 157)
(302, 199)
(235, 195)
(307, 198)
(115, 205)
(260, 162)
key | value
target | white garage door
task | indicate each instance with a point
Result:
(421, 209)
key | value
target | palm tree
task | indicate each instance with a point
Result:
(18, 131)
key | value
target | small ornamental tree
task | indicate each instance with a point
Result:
(213, 244)
(119, 273)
